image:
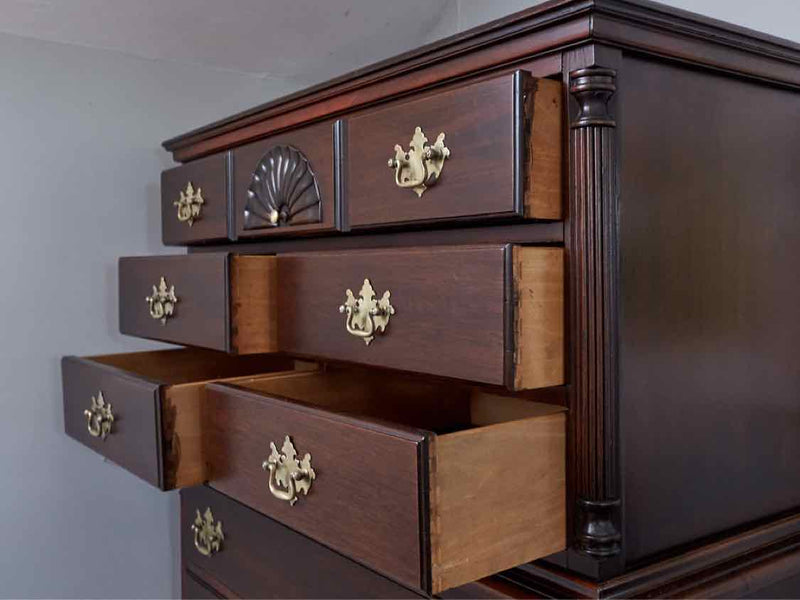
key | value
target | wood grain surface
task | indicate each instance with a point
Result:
(480, 123)
(498, 497)
(135, 441)
(260, 558)
(208, 175)
(201, 286)
(254, 304)
(539, 329)
(365, 499)
(316, 143)
(449, 306)
(156, 399)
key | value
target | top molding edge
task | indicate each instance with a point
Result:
(639, 14)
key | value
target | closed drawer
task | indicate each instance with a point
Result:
(257, 557)
(216, 300)
(194, 202)
(285, 184)
(430, 483)
(493, 313)
(142, 410)
(502, 137)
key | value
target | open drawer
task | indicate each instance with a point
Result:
(142, 410)
(429, 483)
(216, 300)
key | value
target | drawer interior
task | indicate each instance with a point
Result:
(441, 407)
(192, 365)
(495, 462)
(178, 378)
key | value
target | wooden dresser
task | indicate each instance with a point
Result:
(506, 316)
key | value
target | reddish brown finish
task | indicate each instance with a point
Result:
(368, 507)
(526, 232)
(545, 28)
(478, 121)
(210, 176)
(135, 441)
(449, 308)
(260, 558)
(761, 562)
(143, 439)
(316, 143)
(193, 588)
(201, 313)
(708, 327)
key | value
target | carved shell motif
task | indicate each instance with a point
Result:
(283, 191)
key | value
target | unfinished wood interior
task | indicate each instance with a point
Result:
(538, 316)
(497, 462)
(253, 304)
(183, 365)
(544, 189)
(184, 374)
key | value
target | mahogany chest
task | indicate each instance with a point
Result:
(505, 316)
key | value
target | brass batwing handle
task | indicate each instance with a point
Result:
(288, 477)
(99, 417)
(208, 536)
(162, 301)
(420, 167)
(366, 316)
(190, 204)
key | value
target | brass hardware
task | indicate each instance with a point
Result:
(288, 476)
(366, 316)
(208, 536)
(162, 301)
(99, 417)
(420, 167)
(190, 204)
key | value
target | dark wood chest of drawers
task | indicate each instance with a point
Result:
(506, 316)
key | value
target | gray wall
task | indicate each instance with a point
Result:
(79, 163)
(776, 17)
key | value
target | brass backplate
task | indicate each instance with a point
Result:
(366, 316)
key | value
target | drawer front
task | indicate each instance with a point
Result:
(260, 558)
(192, 587)
(492, 313)
(502, 137)
(199, 300)
(449, 308)
(132, 440)
(366, 499)
(285, 184)
(194, 202)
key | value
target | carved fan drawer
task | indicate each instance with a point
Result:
(452, 483)
(216, 300)
(194, 202)
(243, 554)
(142, 410)
(492, 149)
(489, 313)
(284, 184)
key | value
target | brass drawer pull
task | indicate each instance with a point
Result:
(288, 476)
(366, 316)
(208, 536)
(162, 301)
(99, 417)
(420, 167)
(190, 204)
